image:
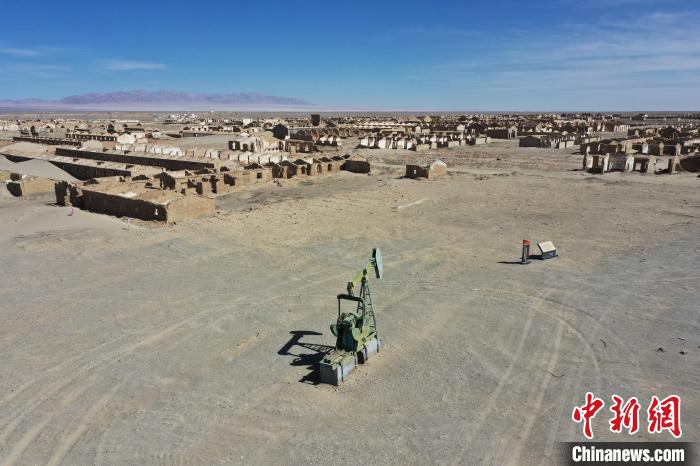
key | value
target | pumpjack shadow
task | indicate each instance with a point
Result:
(310, 360)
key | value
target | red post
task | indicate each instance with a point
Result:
(526, 252)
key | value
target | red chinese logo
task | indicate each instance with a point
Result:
(662, 415)
(665, 415)
(587, 412)
(626, 415)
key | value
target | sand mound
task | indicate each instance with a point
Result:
(25, 148)
(30, 218)
(36, 167)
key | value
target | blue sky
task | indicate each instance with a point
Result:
(494, 55)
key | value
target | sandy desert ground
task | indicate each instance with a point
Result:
(196, 343)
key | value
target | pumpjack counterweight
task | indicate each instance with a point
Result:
(356, 332)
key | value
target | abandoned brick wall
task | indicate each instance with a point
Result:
(30, 186)
(415, 171)
(329, 165)
(656, 149)
(314, 169)
(598, 164)
(112, 204)
(356, 166)
(87, 137)
(230, 179)
(260, 173)
(674, 165)
(281, 171)
(190, 207)
(672, 149)
(241, 178)
(217, 184)
(167, 181)
(204, 187)
(76, 195)
(62, 193)
(174, 164)
(46, 140)
(248, 177)
(15, 188)
(498, 133)
(302, 169)
(436, 172)
(690, 164)
(86, 172)
(531, 141)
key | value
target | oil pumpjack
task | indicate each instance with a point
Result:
(355, 332)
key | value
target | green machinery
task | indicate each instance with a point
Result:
(355, 332)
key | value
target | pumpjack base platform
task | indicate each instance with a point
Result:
(337, 366)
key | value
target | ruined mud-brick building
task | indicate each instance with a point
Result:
(435, 169)
(259, 172)
(289, 169)
(597, 163)
(91, 136)
(690, 164)
(477, 139)
(210, 182)
(356, 164)
(134, 199)
(257, 143)
(47, 141)
(674, 165)
(502, 132)
(616, 127)
(85, 169)
(25, 185)
(331, 165)
(548, 141)
(149, 159)
(297, 146)
(329, 136)
(69, 193)
(284, 169)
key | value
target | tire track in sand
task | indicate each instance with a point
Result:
(532, 415)
(172, 330)
(45, 394)
(496, 393)
(70, 440)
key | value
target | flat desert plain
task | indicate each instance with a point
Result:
(133, 343)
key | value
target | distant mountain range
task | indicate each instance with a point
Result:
(161, 100)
